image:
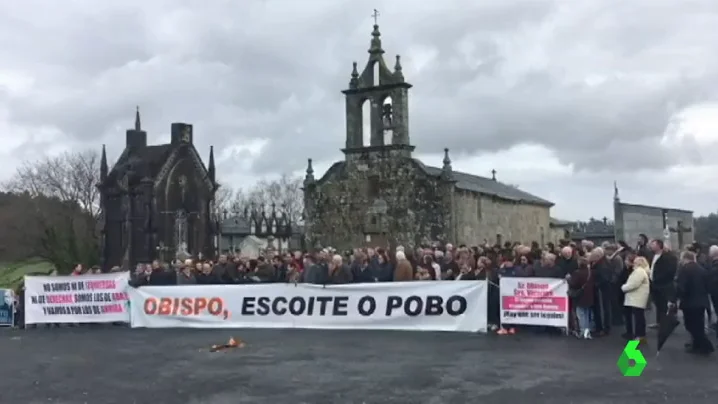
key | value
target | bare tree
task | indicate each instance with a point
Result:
(223, 198)
(285, 192)
(64, 206)
(70, 178)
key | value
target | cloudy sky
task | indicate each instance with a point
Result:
(560, 97)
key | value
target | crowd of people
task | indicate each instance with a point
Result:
(611, 285)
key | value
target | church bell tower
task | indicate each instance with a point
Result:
(387, 93)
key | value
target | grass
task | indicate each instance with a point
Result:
(12, 274)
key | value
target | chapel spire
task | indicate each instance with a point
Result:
(138, 125)
(375, 47)
(104, 169)
(211, 172)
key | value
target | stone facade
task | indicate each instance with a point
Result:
(656, 222)
(157, 201)
(381, 196)
(632, 220)
(490, 218)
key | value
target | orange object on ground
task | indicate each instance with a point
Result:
(232, 343)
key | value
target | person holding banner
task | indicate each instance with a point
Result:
(507, 269)
(581, 291)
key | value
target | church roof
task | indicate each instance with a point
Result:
(150, 159)
(490, 187)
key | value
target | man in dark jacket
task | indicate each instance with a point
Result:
(314, 272)
(567, 261)
(713, 280)
(642, 249)
(663, 271)
(225, 270)
(549, 269)
(207, 276)
(338, 272)
(603, 275)
(692, 298)
(162, 275)
(265, 271)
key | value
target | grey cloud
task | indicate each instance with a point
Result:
(244, 76)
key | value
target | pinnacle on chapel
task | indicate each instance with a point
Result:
(138, 125)
(447, 172)
(104, 169)
(398, 74)
(447, 160)
(309, 178)
(375, 47)
(354, 81)
(211, 171)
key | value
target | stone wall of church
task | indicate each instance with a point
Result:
(375, 201)
(483, 217)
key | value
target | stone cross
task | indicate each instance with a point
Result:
(680, 230)
(375, 15)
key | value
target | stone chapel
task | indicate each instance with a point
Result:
(157, 200)
(380, 195)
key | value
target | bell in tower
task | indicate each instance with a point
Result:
(377, 104)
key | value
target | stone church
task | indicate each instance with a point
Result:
(157, 201)
(380, 195)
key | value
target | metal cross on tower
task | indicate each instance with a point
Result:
(375, 15)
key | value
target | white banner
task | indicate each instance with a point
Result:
(534, 301)
(76, 299)
(418, 306)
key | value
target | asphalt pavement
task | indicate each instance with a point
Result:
(112, 364)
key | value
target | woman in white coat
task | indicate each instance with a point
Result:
(637, 289)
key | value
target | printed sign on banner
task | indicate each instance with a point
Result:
(534, 301)
(419, 306)
(98, 298)
(7, 307)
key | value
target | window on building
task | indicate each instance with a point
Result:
(498, 239)
(478, 208)
(543, 238)
(373, 186)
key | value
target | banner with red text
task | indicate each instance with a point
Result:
(534, 301)
(415, 306)
(98, 298)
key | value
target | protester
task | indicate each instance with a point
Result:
(338, 272)
(712, 282)
(582, 292)
(636, 289)
(663, 271)
(600, 279)
(692, 299)
(603, 295)
(403, 272)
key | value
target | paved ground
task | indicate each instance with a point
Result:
(118, 365)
